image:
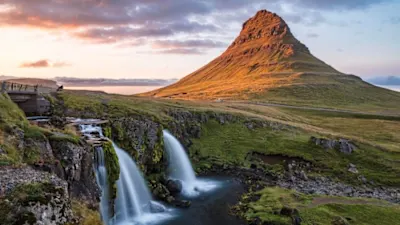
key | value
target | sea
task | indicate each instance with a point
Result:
(122, 90)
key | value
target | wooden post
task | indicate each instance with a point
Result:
(3, 86)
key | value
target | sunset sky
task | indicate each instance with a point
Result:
(170, 38)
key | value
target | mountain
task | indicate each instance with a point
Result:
(267, 63)
(385, 80)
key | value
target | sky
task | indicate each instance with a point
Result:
(167, 39)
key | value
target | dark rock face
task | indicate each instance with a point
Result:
(174, 186)
(42, 146)
(343, 145)
(77, 169)
(51, 206)
(142, 138)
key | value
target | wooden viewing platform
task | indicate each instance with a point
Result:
(30, 98)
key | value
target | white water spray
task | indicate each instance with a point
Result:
(181, 169)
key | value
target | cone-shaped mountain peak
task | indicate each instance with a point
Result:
(266, 62)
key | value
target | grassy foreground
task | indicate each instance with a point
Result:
(317, 210)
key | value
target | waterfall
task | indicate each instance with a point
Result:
(134, 203)
(101, 178)
(133, 196)
(181, 169)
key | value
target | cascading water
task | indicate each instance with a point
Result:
(181, 169)
(101, 177)
(134, 204)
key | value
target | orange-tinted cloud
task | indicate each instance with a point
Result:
(43, 63)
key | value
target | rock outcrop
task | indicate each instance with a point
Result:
(343, 145)
(77, 164)
(142, 138)
(33, 197)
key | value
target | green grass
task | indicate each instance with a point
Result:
(336, 92)
(231, 143)
(271, 201)
(10, 114)
(356, 211)
(35, 132)
(376, 129)
(68, 138)
(354, 214)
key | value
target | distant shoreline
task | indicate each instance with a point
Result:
(117, 89)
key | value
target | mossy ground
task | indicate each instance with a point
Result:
(351, 210)
(232, 143)
(86, 216)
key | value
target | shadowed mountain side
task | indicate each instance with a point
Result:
(267, 63)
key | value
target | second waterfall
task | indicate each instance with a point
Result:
(180, 168)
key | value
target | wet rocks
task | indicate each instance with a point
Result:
(174, 186)
(156, 207)
(181, 203)
(343, 145)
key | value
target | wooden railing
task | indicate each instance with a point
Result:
(15, 87)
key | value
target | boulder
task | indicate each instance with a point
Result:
(181, 203)
(156, 207)
(174, 186)
(343, 145)
(352, 168)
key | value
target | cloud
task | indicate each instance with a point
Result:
(122, 21)
(338, 4)
(181, 51)
(43, 63)
(312, 35)
(173, 44)
(394, 20)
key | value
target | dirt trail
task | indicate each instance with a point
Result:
(319, 109)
